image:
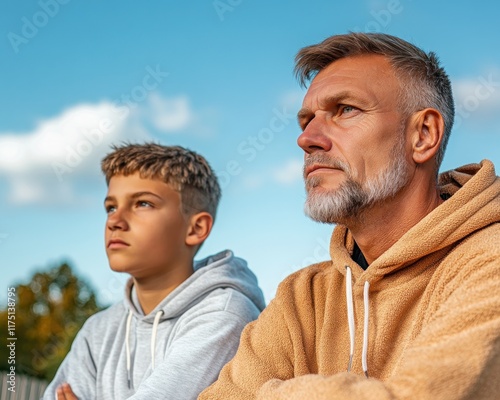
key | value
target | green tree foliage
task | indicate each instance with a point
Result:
(50, 310)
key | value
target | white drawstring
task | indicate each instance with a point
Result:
(127, 346)
(350, 320)
(153, 343)
(350, 313)
(365, 328)
(153, 337)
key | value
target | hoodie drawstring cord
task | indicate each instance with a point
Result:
(153, 342)
(350, 320)
(127, 346)
(350, 314)
(366, 309)
(153, 337)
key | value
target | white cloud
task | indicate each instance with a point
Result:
(46, 164)
(170, 114)
(288, 173)
(477, 99)
(292, 100)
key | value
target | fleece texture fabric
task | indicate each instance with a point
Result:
(433, 313)
(197, 331)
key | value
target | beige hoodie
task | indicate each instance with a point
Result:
(432, 324)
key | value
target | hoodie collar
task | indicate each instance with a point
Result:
(474, 204)
(221, 270)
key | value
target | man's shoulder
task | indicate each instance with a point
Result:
(484, 241)
(477, 255)
(305, 279)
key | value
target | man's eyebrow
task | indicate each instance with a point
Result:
(134, 196)
(304, 113)
(326, 102)
(338, 98)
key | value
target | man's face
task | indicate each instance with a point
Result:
(145, 230)
(353, 138)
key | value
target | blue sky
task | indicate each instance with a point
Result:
(215, 76)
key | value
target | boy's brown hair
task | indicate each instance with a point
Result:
(183, 169)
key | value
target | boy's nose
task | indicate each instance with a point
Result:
(117, 221)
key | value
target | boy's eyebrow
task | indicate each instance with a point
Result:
(134, 196)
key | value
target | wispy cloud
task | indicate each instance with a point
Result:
(288, 173)
(292, 99)
(285, 174)
(46, 164)
(170, 114)
(477, 99)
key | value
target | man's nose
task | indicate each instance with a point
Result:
(314, 137)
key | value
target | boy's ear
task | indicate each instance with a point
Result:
(200, 225)
(427, 133)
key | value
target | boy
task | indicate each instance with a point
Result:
(180, 321)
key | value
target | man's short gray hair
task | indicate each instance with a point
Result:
(424, 83)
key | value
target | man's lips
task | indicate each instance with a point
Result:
(318, 168)
(117, 244)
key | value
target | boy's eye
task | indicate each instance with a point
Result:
(110, 209)
(143, 203)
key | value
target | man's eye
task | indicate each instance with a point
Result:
(347, 109)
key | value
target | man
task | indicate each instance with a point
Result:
(408, 306)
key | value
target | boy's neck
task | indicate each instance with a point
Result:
(152, 290)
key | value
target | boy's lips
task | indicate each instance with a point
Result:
(117, 243)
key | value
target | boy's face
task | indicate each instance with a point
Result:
(145, 233)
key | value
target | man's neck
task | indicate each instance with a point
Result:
(152, 290)
(379, 227)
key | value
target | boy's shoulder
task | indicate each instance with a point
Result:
(105, 318)
(227, 300)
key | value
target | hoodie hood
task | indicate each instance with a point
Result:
(222, 270)
(473, 193)
(175, 351)
(473, 203)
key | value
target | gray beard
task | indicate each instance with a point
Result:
(352, 198)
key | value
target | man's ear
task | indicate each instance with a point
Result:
(200, 225)
(427, 132)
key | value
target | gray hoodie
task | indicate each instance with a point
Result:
(175, 351)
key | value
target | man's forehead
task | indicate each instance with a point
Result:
(355, 66)
(351, 76)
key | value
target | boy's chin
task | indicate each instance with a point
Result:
(117, 267)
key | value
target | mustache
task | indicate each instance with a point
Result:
(325, 160)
